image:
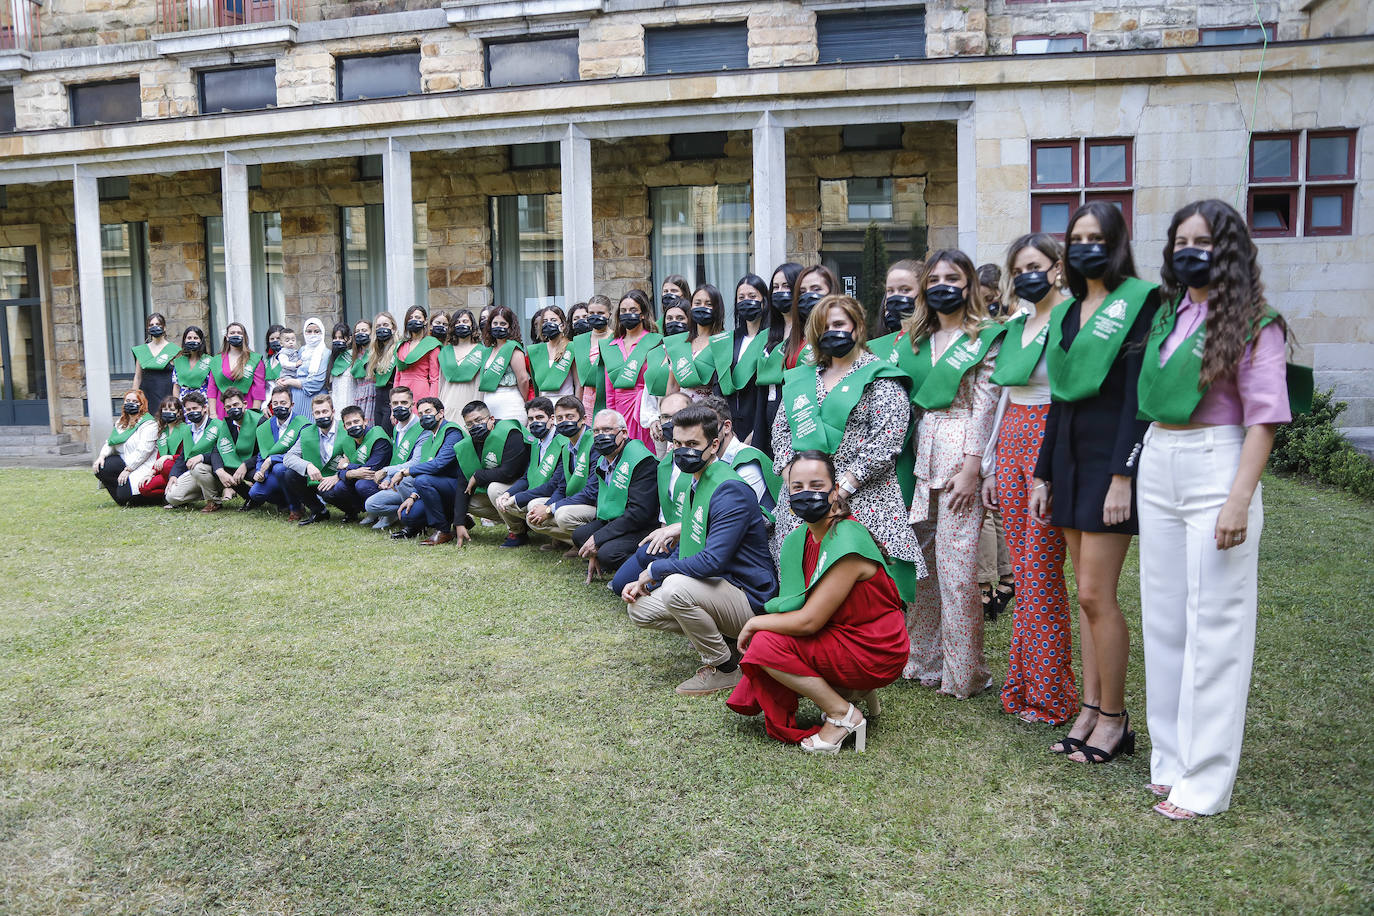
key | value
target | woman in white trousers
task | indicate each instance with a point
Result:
(1214, 384)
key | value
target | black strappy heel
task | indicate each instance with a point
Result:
(1070, 744)
(1000, 599)
(1124, 745)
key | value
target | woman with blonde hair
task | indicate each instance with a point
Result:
(381, 366)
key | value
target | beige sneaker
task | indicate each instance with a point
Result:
(708, 680)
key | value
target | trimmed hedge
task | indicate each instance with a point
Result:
(1312, 446)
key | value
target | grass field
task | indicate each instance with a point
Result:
(228, 714)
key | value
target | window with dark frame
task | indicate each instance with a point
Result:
(1237, 35)
(113, 102)
(238, 88)
(532, 61)
(544, 155)
(709, 145)
(884, 34)
(1302, 183)
(7, 111)
(1049, 44)
(378, 76)
(696, 48)
(872, 136)
(1068, 173)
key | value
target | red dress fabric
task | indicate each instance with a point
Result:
(862, 647)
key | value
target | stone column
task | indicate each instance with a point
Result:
(91, 281)
(575, 166)
(398, 207)
(238, 266)
(770, 194)
(967, 158)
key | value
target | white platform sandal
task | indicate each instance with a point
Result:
(853, 724)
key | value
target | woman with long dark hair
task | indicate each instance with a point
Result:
(340, 365)
(813, 284)
(460, 360)
(624, 358)
(772, 362)
(1085, 474)
(504, 381)
(691, 358)
(417, 357)
(551, 359)
(153, 360)
(745, 348)
(1215, 385)
(191, 367)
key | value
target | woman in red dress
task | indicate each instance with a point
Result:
(836, 631)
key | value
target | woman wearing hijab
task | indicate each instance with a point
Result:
(312, 376)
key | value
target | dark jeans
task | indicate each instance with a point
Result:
(122, 493)
(611, 553)
(273, 488)
(435, 494)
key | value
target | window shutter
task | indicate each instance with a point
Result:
(875, 35)
(697, 49)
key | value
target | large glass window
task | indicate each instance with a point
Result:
(532, 61)
(701, 233)
(1067, 173)
(105, 103)
(238, 89)
(265, 257)
(896, 204)
(527, 252)
(1312, 182)
(376, 76)
(364, 260)
(124, 260)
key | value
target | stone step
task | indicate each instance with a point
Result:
(31, 436)
(8, 450)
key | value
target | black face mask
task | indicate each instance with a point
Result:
(324, 422)
(944, 298)
(667, 427)
(781, 300)
(273, 347)
(703, 314)
(598, 322)
(415, 324)
(131, 408)
(689, 460)
(478, 432)
(670, 299)
(897, 309)
(193, 346)
(836, 343)
(462, 331)
(439, 332)
(629, 321)
(429, 420)
(581, 326)
(568, 428)
(362, 340)
(338, 346)
(551, 330)
(1193, 267)
(994, 308)
(384, 334)
(500, 333)
(194, 417)
(604, 443)
(282, 413)
(233, 413)
(156, 331)
(169, 416)
(401, 413)
(539, 429)
(234, 340)
(749, 309)
(806, 302)
(1032, 286)
(1089, 259)
(809, 505)
(674, 327)
(357, 431)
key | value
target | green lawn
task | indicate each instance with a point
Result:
(230, 714)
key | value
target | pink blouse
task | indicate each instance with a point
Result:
(1256, 394)
(422, 378)
(257, 389)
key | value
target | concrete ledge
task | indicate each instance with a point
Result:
(14, 62)
(254, 37)
(1362, 437)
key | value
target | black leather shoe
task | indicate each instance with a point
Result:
(249, 505)
(405, 534)
(321, 516)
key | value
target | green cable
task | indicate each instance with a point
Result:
(1254, 108)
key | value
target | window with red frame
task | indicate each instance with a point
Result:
(1068, 173)
(1302, 183)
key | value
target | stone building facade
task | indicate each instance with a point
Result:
(544, 150)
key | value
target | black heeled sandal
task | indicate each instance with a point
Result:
(1124, 745)
(1069, 744)
(1000, 599)
(988, 600)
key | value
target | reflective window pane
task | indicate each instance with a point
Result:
(238, 89)
(124, 260)
(1273, 158)
(376, 76)
(529, 63)
(1328, 156)
(1239, 36)
(527, 251)
(105, 103)
(16, 280)
(265, 259)
(1054, 217)
(6, 111)
(1328, 211)
(1272, 212)
(1054, 165)
(702, 233)
(364, 268)
(1107, 164)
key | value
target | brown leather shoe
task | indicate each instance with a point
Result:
(294, 517)
(437, 538)
(212, 507)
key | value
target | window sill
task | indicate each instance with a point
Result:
(14, 62)
(488, 18)
(239, 43)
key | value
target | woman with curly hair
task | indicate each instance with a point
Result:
(1213, 382)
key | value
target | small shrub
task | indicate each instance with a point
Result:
(1312, 446)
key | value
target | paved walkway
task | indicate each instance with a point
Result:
(1362, 437)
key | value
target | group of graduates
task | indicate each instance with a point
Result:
(805, 502)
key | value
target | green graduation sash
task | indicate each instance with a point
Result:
(821, 426)
(402, 447)
(747, 367)
(147, 360)
(690, 370)
(748, 454)
(496, 366)
(771, 365)
(672, 498)
(541, 466)
(623, 373)
(493, 447)
(169, 440)
(1171, 392)
(549, 375)
(942, 381)
(189, 376)
(341, 365)
(657, 372)
(120, 436)
(235, 450)
(1077, 373)
(373, 435)
(344, 452)
(1015, 361)
(267, 446)
(457, 370)
(885, 348)
(241, 385)
(382, 376)
(615, 492)
(190, 448)
(845, 537)
(695, 510)
(577, 464)
(432, 445)
(722, 349)
(589, 374)
(273, 372)
(417, 351)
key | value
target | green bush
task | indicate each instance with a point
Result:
(1311, 445)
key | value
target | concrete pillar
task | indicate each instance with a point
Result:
(575, 166)
(398, 207)
(967, 176)
(770, 195)
(238, 264)
(91, 283)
